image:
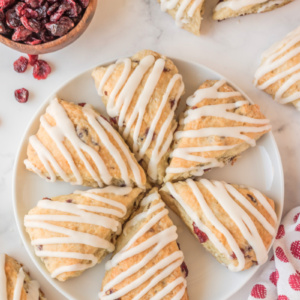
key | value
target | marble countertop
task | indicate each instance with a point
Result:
(120, 28)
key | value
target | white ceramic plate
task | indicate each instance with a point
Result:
(259, 167)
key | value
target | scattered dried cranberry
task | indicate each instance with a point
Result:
(32, 59)
(21, 95)
(20, 65)
(41, 70)
(201, 235)
(184, 269)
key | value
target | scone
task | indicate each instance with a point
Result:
(279, 72)
(147, 263)
(218, 124)
(77, 145)
(15, 283)
(187, 13)
(141, 94)
(234, 8)
(72, 233)
(236, 224)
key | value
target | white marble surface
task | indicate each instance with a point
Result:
(120, 28)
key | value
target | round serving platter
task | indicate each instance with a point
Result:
(259, 167)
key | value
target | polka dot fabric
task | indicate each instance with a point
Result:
(280, 279)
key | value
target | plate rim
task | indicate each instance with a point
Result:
(42, 106)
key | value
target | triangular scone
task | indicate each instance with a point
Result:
(147, 263)
(236, 224)
(75, 144)
(233, 8)
(218, 124)
(15, 282)
(141, 94)
(72, 233)
(279, 72)
(187, 13)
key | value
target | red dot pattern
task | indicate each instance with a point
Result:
(281, 255)
(297, 227)
(295, 249)
(259, 291)
(280, 232)
(294, 282)
(283, 297)
(274, 277)
(296, 217)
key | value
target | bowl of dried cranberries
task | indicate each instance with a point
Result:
(43, 26)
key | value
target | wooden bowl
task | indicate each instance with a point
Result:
(59, 43)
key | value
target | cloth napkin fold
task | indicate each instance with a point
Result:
(280, 279)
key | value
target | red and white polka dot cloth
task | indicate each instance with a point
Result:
(280, 279)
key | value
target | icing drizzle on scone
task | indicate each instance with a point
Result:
(156, 243)
(78, 213)
(179, 17)
(33, 287)
(120, 100)
(64, 129)
(227, 197)
(219, 110)
(239, 4)
(274, 59)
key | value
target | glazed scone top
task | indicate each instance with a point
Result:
(74, 142)
(152, 241)
(142, 93)
(217, 119)
(190, 6)
(281, 64)
(239, 4)
(74, 228)
(15, 283)
(234, 204)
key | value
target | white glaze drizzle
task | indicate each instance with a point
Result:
(157, 242)
(217, 110)
(224, 194)
(64, 129)
(182, 8)
(239, 4)
(3, 293)
(274, 58)
(78, 213)
(33, 286)
(125, 89)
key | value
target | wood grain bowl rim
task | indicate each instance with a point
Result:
(59, 43)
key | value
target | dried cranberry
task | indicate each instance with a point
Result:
(84, 3)
(201, 235)
(33, 41)
(21, 34)
(74, 9)
(31, 24)
(6, 3)
(60, 11)
(172, 102)
(184, 269)
(61, 28)
(69, 201)
(2, 15)
(21, 95)
(41, 70)
(52, 8)
(34, 3)
(19, 8)
(233, 255)
(12, 19)
(20, 65)
(42, 11)
(32, 59)
(29, 13)
(82, 104)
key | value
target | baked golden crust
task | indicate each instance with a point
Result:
(91, 138)
(87, 219)
(154, 109)
(190, 17)
(12, 269)
(139, 220)
(208, 138)
(224, 11)
(279, 71)
(185, 192)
